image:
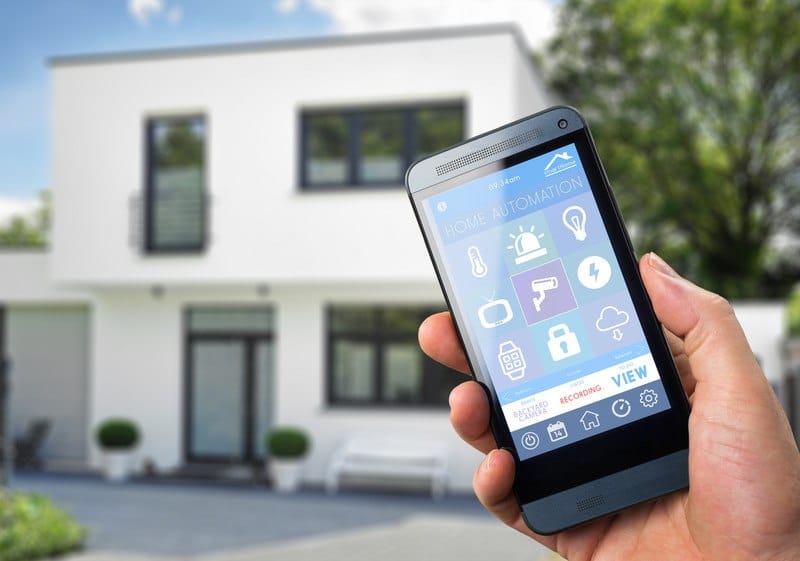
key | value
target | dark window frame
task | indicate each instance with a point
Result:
(353, 122)
(149, 246)
(380, 338)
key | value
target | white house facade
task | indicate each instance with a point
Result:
(232, 248)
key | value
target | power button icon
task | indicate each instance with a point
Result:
(530, 440)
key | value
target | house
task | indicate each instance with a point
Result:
(232, 248)
(590, 420)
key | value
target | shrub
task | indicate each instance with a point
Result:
(117, 434)
(288, 443)
(31, 527)
(793, 313)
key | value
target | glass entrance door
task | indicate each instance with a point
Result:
(229, 389)
(217, 399)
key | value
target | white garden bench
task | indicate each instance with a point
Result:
(395, 459)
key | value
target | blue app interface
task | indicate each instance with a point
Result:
(546, 306)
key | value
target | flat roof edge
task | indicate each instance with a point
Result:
(292, 44)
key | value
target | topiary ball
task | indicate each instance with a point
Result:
(117, 434)
(287, 442)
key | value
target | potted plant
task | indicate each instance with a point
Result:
(117, 438)
(287, 447)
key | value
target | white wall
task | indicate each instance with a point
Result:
(137, 361)
(531, 95)
(764, 323)
(262, 227)
(25, 279)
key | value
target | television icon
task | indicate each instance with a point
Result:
(495, 313)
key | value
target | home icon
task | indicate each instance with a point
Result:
(590, 420)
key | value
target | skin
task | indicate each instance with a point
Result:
(744, 467)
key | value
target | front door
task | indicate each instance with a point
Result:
(229, 391)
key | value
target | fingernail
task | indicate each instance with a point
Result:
(660, 265)
(488, 462)
(485, 465)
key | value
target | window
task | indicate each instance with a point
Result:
(175, 215)
(374, 359)
(352, 148)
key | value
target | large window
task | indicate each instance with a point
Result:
(175, 215)
(374, 359)
(352, 148)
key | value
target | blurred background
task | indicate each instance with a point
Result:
(211, 279)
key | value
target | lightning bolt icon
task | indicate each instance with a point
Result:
(594, 271)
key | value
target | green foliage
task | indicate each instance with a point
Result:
(793, 313)
(28, 231)
(180, 144)
(288, 443)
(117, 434)
(694, 108)
(31, 527)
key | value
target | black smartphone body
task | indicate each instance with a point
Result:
(543, 285)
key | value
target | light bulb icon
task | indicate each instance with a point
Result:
(479, 268)
(574, 219)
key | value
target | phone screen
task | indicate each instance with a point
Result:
(543, 302)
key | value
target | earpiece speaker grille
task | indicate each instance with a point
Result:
(487, 151)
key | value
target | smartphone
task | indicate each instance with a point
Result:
(543, 286)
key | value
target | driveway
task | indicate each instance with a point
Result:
(177, 521)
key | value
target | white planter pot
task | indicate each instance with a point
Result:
(286, 475)
(117, 465)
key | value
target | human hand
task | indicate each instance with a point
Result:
(743, 502)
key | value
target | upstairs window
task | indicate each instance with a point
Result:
(175, 201)
(372, 147)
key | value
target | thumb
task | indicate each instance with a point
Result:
(718, 351)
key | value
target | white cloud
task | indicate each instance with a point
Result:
(12, 206)
(143, 10)
(536, 18)
(175, 15)
(286, 6)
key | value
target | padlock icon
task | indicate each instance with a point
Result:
(562, 343)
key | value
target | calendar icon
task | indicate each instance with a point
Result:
(512, 361)
(557, 431)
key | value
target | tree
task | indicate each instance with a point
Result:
(694, 106)
(29, 231)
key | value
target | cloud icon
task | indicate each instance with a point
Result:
(611, 318)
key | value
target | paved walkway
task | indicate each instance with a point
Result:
(177, 522)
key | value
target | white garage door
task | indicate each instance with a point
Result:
(48, 348)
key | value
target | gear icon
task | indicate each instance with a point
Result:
(648, 398)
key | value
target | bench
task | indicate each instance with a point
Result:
(377, 459)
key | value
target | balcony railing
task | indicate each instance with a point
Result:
(169, 223)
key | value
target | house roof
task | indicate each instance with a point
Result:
(294, 44)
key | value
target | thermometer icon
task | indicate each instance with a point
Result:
(479, 268)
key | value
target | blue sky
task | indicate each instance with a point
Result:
(36, 30)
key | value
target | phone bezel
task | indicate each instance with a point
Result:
(610, 452)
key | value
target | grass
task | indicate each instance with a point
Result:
(32, 527)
